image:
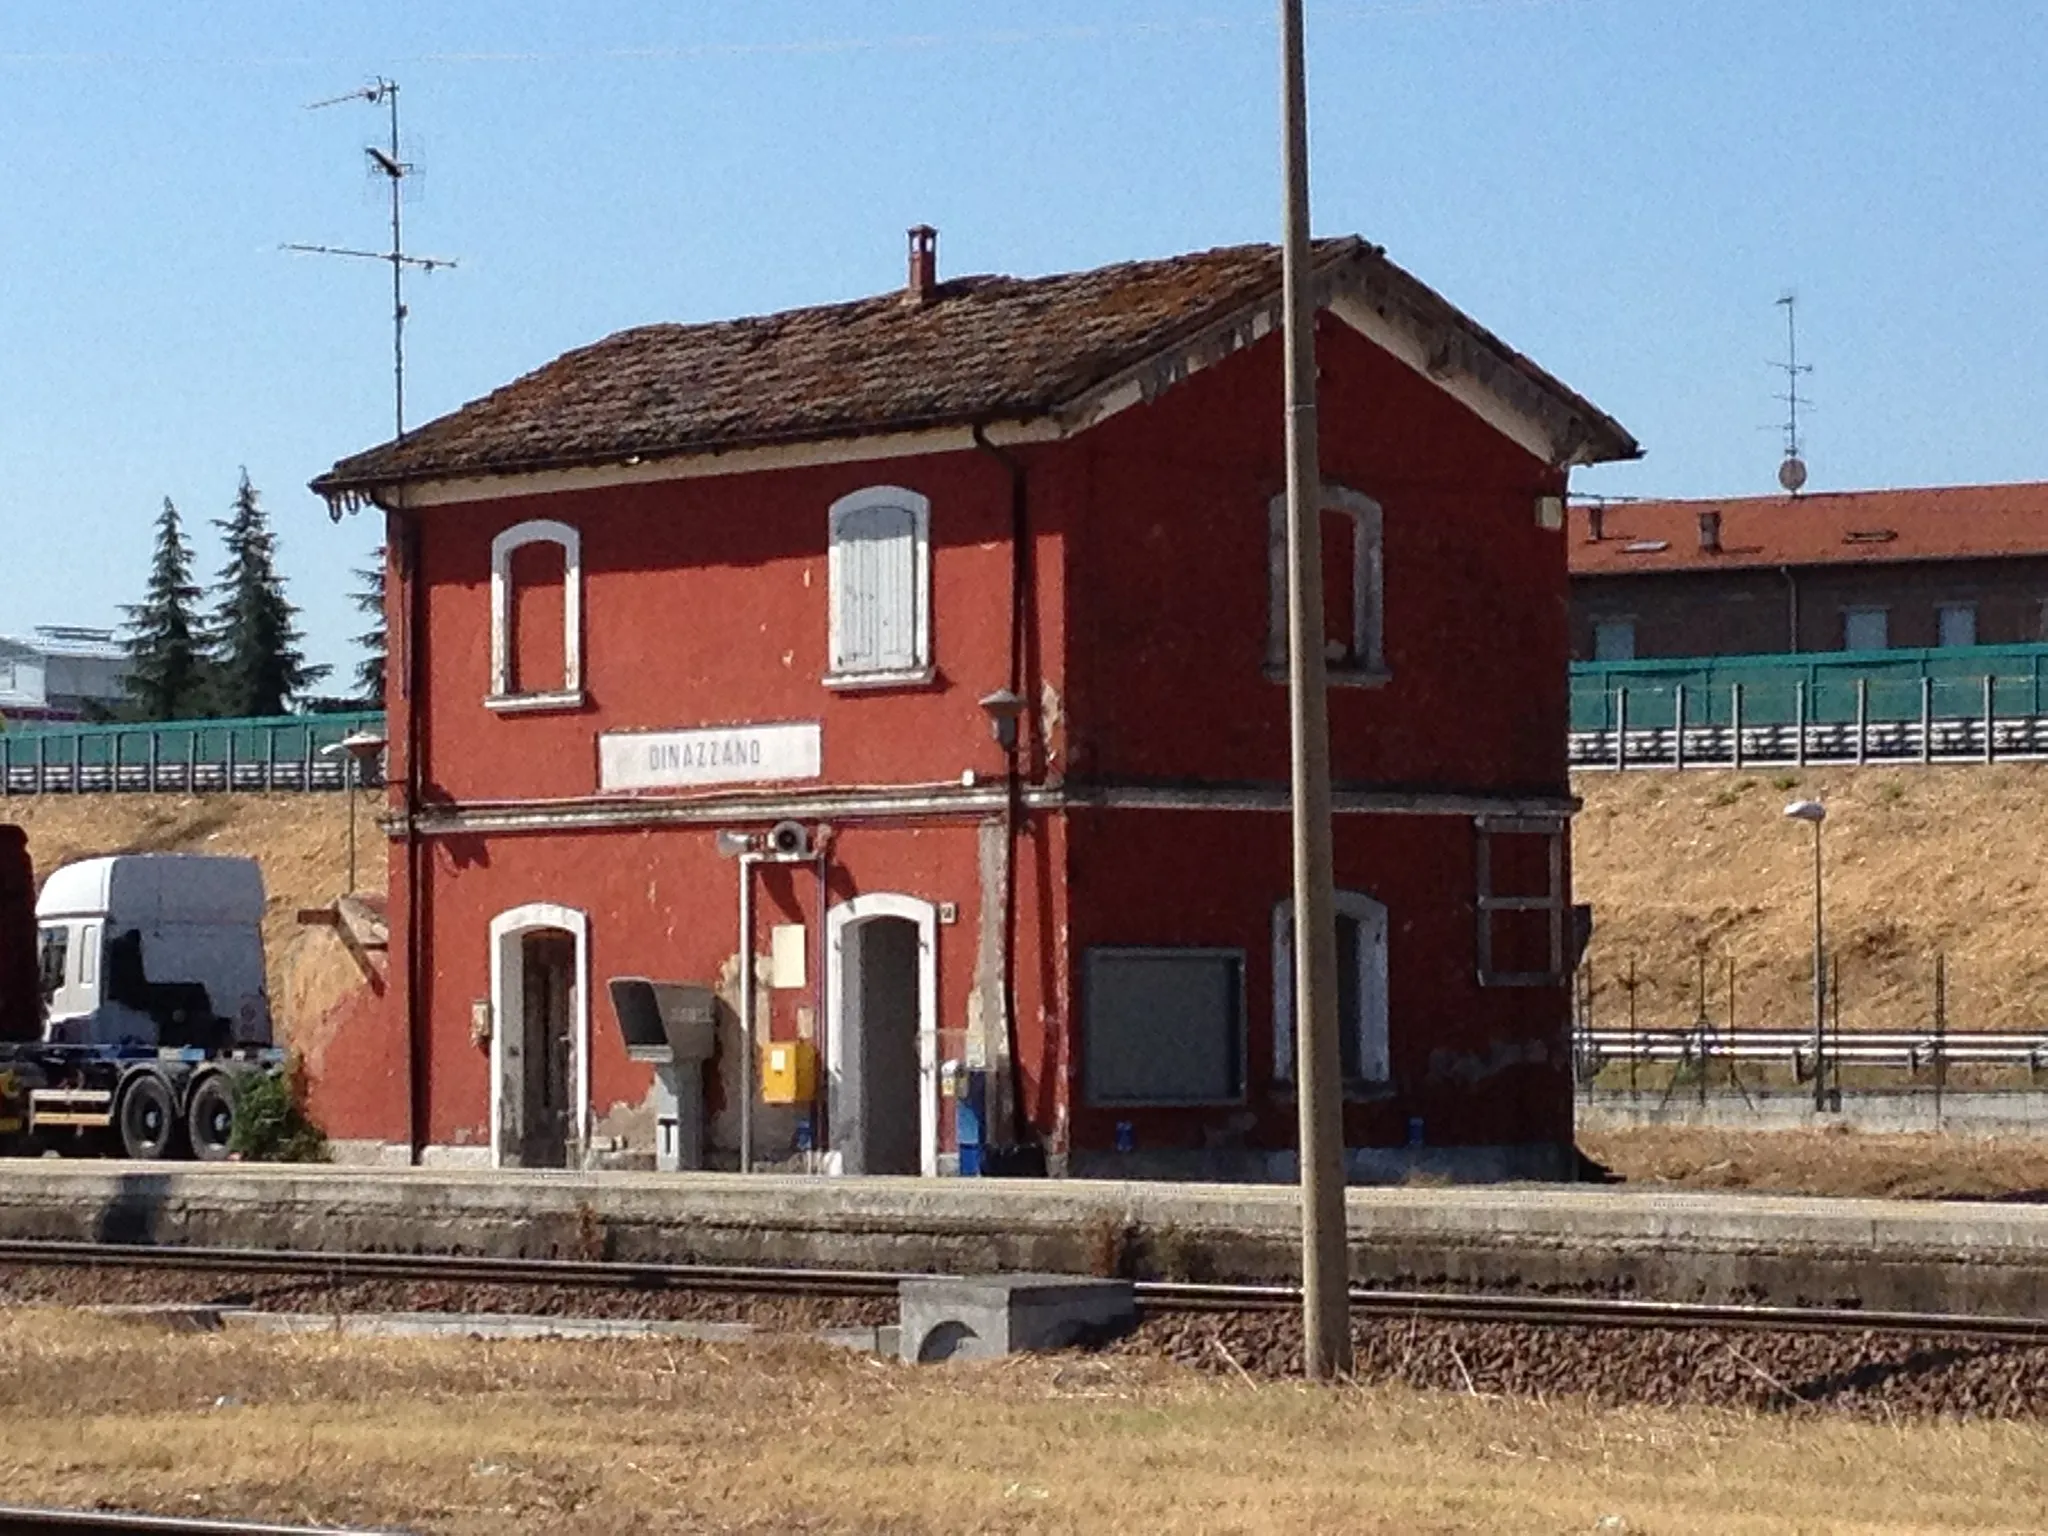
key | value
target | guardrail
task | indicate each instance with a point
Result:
(284, 753)
(1906, 1051)
(1863, 741)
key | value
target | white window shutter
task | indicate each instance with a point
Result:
(875, 580)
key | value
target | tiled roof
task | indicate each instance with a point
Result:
(1954, 522)
(981, 349)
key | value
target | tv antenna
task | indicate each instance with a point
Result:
(390, 163)
(1792, 469)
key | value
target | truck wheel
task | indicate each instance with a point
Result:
(210, 1117)
(149, 1120)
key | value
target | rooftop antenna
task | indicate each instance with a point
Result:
(1792, 470)
(389, 162)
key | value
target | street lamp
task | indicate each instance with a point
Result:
(1814, 813)
(357, 750)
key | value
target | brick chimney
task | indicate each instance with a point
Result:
(1596, 520)
(1710, 533)
(924, 265)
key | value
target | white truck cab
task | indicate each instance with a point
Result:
(154, 950)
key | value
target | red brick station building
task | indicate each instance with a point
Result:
(976, 585)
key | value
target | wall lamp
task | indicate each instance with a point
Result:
(1003, 707)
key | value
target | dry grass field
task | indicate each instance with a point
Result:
(1919, 861)
(474, 1437)
(1827, 1162)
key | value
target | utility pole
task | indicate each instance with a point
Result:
(395, 169)
(1325, 1256)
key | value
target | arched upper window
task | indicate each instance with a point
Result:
(879, 570)
(1362, 1047)
(536, 617)
(1353, 587)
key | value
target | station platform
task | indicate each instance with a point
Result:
(1671, 1245)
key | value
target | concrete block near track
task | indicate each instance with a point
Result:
(987, 1317)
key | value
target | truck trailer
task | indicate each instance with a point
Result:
(132, 1002)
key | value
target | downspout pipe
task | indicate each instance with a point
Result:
(409, 546)
(1013, 799)
(1791, 608)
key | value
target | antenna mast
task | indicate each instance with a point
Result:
(389, 163)
(1792, 469)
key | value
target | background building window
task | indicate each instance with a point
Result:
(880, 576)
(1353, 587)
(1865, 629)
(1363, 1047)
(536, 617)
(1614, 639)
(1956, 624)
(1163, 1026)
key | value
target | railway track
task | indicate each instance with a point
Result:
(1165, 1295)
(18, 1520)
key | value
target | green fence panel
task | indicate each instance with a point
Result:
(1827, 688)
(246, 747)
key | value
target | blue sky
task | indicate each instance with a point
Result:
(1622, 188)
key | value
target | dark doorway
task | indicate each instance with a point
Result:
(882, 991)
(547, 1012)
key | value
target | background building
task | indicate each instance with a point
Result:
(1857, 571)
(62, 673)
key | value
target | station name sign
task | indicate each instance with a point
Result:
(729, 754)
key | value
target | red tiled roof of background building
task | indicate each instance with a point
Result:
(945, 354)
(1961, 522)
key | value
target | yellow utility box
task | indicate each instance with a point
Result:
(789, 1072)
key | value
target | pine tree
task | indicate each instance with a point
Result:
(258, 667)
(167, 664)
(369, 598)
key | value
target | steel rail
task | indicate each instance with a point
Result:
(23, 1520)
(477, 1269)
(1602, 1312)
(1429, 1306)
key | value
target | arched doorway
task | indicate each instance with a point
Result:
(540, 1037)
(881, 1035)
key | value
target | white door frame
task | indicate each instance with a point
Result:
(508, 1010)
(847, 915)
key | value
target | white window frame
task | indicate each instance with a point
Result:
(1368, 588)
(1941, 613)
(1375, 1043)
(838, 674)
(1551, 902)
(569, 695)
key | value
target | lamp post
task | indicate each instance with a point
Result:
(1814, 814)
(356, 751)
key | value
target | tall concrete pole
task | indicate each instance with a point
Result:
(1325, 1260)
